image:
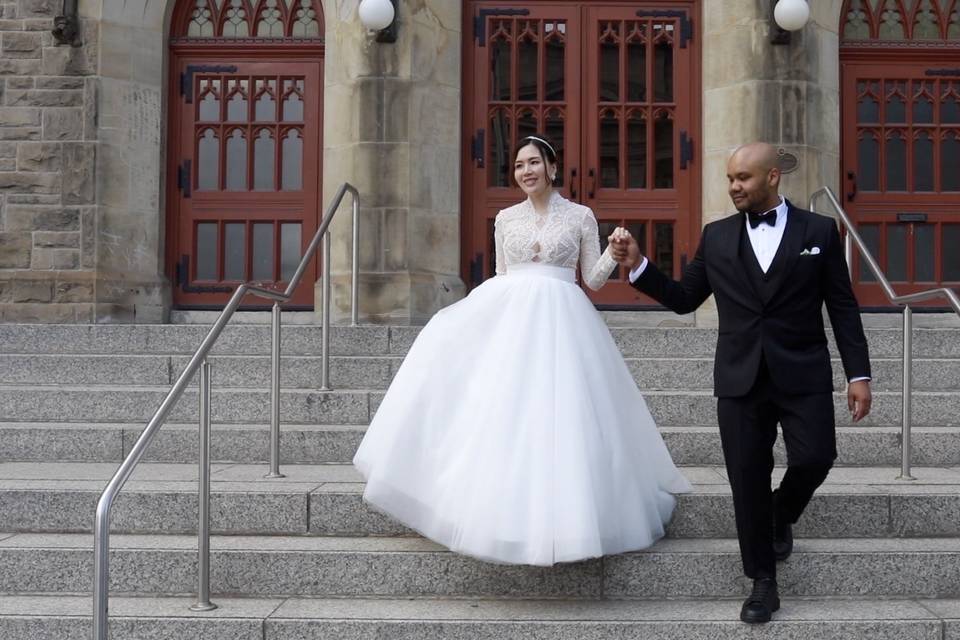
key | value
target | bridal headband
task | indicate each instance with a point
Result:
(544, 142)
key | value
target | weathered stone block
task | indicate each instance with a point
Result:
(65, 83)
(66, 61)
(63, 124)
(22, 42)
(73, 292)
(39, 8)
(20, 66)
(20, 83)
(34, 198)
(44, 98)
(15, 250)
(31, 291)
(55, 259)
(29, 182)
(41, 218)
(88, 238)
(8, 164)
(38, 24)
(20, 133)
(11, 25)
(19, 116)
(57, 239)
(90, 109)
(39, 156)
(79, 158)
(8, 149)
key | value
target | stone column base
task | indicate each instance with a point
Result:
(391, 298)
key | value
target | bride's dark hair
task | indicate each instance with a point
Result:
(542, 143)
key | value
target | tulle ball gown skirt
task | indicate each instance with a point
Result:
(513, 431)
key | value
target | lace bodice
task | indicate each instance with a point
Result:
(565, 234)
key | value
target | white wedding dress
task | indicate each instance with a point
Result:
(513, 431)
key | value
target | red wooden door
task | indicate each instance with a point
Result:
(616, 86)
(901, 144)
(244, 158)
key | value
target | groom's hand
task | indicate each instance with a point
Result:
(859, 399)
(624, 248)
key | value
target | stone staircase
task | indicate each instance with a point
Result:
(302, 558)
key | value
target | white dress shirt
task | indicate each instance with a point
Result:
(765, 240)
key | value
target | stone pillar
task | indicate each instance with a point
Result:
(392, 129)
(788, 95)
(131, 285)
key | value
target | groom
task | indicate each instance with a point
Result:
(771, 269)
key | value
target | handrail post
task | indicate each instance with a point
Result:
(907, 394)
(325, 301)
(203, 529)
(101, 569)
(355, 266)
(848, 253)
(275, 393)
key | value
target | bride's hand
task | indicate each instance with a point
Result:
(619, 243)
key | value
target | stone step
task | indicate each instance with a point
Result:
(376, 372)
(412, 567)
(55, 403)
(638, 342)
(55, 617)
(323, 444)
(326, 500)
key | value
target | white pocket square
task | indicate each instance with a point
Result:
(814, 251)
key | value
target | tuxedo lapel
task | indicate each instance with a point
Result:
(734, 232)
(789, 250)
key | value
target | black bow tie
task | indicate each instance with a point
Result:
(756, 219)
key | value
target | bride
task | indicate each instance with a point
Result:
(513, 431)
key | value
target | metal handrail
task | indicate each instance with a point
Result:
(101, 551)
(853, 237)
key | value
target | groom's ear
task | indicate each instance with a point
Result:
(773, 178)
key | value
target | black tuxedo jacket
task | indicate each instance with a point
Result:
(782, 324)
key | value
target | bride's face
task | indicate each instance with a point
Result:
(532, 172)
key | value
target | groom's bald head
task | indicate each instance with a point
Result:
(754, 177)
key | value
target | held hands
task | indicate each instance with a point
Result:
(859, 399)
(624, 248)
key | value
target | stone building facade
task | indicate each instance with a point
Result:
(85, 181)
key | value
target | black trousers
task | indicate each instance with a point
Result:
(748, 431)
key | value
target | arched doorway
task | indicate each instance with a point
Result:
(617, 86)
(900, 93)
(244, 145)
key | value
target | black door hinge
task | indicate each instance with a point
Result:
(480, 21)
(686, 22)
(185, 178)
(183, 279)
(477, 148)
(186, 78)
(686, 149)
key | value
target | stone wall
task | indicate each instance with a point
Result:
(47, 160)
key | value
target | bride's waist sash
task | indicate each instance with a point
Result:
(567, 274)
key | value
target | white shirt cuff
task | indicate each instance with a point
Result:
(852, 380)
(635, 273)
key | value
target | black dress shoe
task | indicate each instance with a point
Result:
(782, 534)
(762, 602)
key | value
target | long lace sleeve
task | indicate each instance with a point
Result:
(498, 244)
(595, 267)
